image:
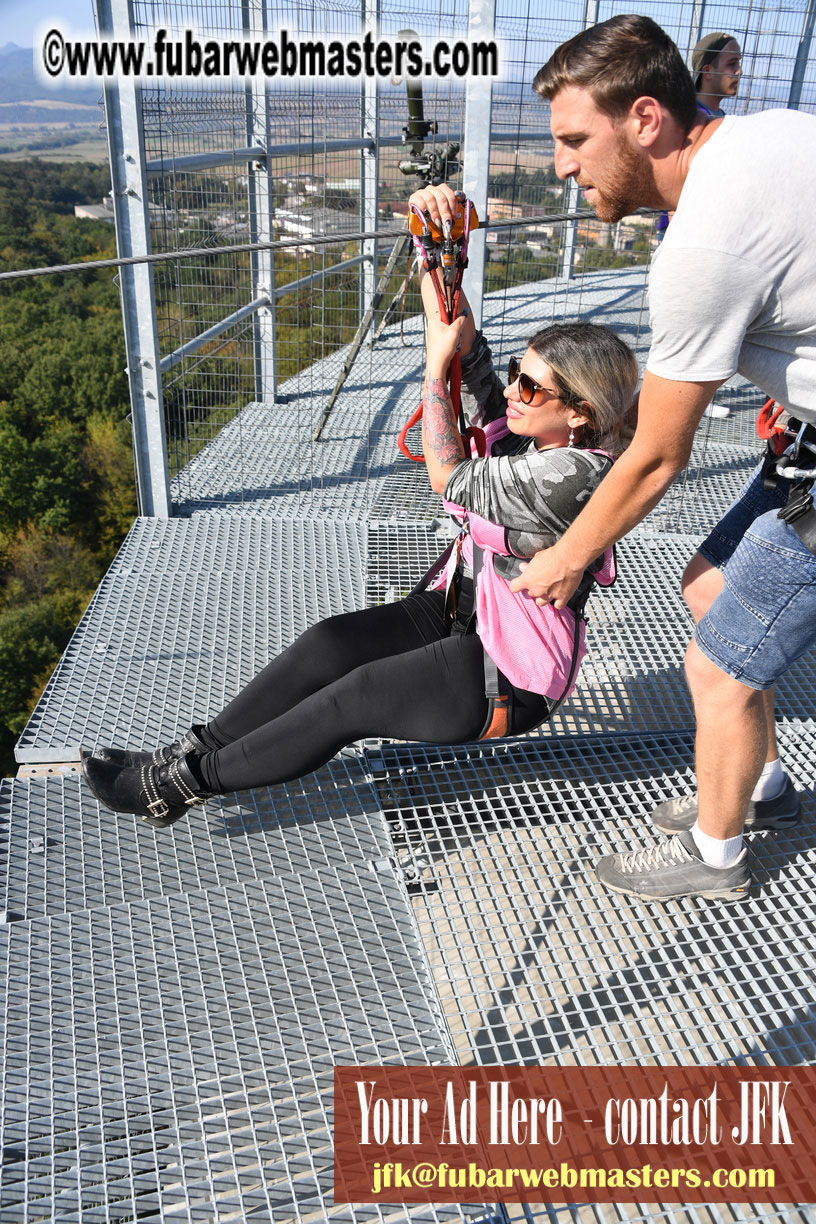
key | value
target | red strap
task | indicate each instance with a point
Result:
(478, 438)
(767, 427)
(403, 434)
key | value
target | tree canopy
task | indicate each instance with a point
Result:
(67, 492)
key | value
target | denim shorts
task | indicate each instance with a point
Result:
(764, 618)
(752, 501)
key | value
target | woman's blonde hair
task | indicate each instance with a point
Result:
(596, 374)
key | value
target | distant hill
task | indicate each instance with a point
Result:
(18, 83)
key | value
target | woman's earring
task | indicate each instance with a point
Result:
(571, 438)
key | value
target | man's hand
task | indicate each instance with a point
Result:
(548, 578)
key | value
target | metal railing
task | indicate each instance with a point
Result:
(197, 171)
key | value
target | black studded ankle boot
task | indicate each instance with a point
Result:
(127, 758)
(160, 794)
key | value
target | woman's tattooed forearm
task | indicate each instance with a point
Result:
(440, 432)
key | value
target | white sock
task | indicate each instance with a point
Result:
(771, 781)
(716, 851)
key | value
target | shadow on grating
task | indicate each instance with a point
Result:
(711, 480)
(534, 961)
(61, 852)
(173, 1058)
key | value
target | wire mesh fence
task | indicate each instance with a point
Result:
(319, 163)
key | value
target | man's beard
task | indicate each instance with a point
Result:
(631, 186)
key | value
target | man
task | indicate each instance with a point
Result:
(730, 289)
(715, 66)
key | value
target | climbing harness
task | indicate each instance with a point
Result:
(498, 689)
(789, 446)
(512, 626)
(443, 252)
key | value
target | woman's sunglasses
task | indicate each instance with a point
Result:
(528, 389)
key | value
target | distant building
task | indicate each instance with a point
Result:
(500, 209)
(94, 212)
(343, 184)
(317, 223)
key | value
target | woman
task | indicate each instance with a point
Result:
(415, 669)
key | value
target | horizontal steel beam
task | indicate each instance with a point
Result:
(186, 162)
(305, 281)
(212, 333)
(217, 329)
(202, 161)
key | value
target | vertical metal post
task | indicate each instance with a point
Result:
(695, 28)
(569, 237)
(476, 140)
(259, 189)
(570, 234)
(369, 163)
(123, 114)
(802, 57)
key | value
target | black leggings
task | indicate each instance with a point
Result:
(393, 671)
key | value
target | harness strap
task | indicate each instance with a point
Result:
(498, 689)
(799, 512)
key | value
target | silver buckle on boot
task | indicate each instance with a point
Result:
(158, 807)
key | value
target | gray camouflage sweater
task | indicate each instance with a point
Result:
(534, 494)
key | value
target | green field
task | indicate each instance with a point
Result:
(61, 143)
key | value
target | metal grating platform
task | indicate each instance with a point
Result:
(715, 474)
(60, 852)
(535, 962)
(265, 461)
(654, 1213)
(211, 542)
(178, 998)
(173, 1059)
(632, 677)
(162, 645)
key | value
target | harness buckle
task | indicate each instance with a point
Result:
(800, 502)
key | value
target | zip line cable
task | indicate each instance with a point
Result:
(284, 244)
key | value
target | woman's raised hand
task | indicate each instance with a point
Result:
(442, 203)
(443, 340)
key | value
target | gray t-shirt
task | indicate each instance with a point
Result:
(731, 288)
(534, 495)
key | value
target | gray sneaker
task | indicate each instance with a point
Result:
(673, 869)
(677, 815)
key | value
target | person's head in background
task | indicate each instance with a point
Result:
(716, 68)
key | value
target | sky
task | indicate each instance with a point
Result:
(20, 18)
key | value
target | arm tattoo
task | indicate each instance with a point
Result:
(440, 431)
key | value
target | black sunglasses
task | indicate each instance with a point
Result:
(527, 388)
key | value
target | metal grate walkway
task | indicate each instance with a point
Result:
(176, 1000)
